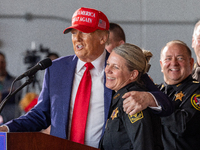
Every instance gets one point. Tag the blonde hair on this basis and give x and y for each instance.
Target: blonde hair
(135, 58)
(148, 56)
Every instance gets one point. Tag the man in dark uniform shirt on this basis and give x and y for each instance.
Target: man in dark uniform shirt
(181, 129)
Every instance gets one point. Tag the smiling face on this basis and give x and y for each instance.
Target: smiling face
(176, 64)
(88, 46)
(117, 73)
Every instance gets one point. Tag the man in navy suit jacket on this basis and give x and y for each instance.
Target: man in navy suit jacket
(55, 103)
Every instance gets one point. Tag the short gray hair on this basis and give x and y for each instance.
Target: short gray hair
(196, 26)
(177, 42)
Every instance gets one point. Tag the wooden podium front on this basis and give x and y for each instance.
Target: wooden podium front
(41, 141)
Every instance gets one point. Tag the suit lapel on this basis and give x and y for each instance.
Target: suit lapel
(107, 97)
(70, 71)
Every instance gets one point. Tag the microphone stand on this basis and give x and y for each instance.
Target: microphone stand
(28, 81)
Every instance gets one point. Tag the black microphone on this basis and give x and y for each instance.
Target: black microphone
(43, 64)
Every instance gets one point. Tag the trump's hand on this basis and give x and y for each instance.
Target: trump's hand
(136, 101)
(3, 128)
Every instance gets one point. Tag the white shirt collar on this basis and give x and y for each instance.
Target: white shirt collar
(99, 63)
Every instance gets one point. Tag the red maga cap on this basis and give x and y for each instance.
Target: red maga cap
(88, 20)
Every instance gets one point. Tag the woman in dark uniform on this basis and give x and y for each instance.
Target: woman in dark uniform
(140, 131)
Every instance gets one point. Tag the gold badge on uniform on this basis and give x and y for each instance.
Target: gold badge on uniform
(179, 96)
(195, 101)
(114, 113)
(136, 117)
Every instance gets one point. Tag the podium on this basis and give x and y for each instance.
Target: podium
(41, 141)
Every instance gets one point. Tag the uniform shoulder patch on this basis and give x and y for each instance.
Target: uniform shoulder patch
(136, 117)
(195, 101)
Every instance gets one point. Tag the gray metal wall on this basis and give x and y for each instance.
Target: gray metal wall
(149, 24)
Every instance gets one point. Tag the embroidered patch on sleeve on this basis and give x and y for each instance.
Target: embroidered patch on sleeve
(136, 117)
(195, 101)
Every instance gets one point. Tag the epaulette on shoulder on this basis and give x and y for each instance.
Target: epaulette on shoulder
(195, 81)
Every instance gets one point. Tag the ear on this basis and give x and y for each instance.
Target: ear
(192, 42)
(161, 65)
(121, 42)
(134, 75)
(104, 38)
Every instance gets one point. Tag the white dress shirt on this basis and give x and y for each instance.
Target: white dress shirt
(95, 118)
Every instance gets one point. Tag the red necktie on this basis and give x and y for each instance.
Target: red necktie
(81, 105)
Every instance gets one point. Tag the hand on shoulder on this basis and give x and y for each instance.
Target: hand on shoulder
(136, 101)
